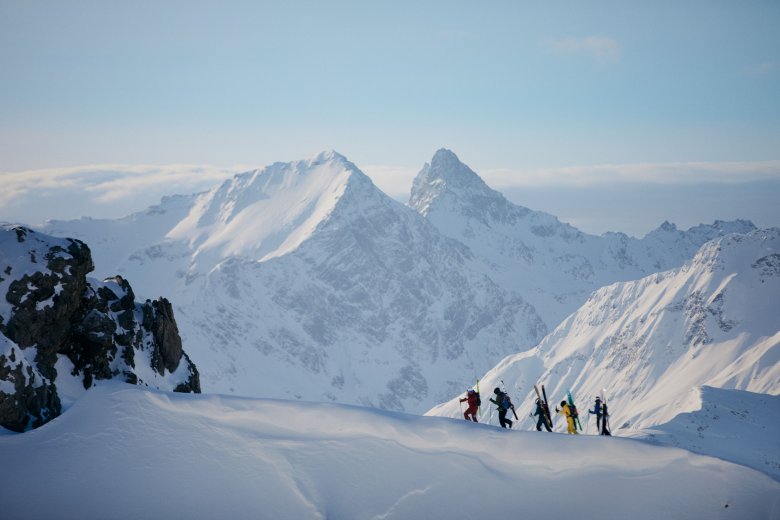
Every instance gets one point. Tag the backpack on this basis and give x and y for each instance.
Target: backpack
(479, 400)
(506, 402)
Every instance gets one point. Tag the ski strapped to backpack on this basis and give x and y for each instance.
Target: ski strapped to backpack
(479, 399)
(545, 408)
(573, 410)
(507, 402)
(546, 405)
(605, 430)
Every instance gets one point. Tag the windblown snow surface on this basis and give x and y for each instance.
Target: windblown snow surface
(126, 452)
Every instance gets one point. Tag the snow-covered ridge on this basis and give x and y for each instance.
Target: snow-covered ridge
(713, 321)
(733, 425)
(218, 456)
(552, 264)
(267, 213)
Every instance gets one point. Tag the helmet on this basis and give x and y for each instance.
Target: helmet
(496, 390)
(563, 403)
(598, 398)
(471, 390)
(537, 400)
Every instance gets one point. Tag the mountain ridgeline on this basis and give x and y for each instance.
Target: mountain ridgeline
(652, 343)
(303, 280)
(552, 264)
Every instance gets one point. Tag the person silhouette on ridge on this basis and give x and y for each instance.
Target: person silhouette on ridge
(500, 401)
(472, 396)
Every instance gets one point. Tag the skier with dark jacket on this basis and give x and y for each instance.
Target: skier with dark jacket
(472, 397)
(541, 421)
(604, 428)
(500, 401)
(597, 411)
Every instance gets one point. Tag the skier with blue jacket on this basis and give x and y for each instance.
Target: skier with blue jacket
(600, 411)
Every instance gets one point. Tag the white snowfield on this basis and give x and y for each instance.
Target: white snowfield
(122, 452)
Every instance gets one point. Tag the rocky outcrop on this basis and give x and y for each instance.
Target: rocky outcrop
(57, 324)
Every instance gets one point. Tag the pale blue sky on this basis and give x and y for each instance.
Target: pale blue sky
(505, 84)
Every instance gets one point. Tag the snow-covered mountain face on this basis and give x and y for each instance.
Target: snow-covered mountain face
(60, 330)
(648, 344)
(552, 264)
(303, 280)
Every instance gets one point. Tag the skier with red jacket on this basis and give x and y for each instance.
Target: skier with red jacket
(472, 397)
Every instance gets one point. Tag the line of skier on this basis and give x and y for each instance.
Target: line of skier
(542, 412)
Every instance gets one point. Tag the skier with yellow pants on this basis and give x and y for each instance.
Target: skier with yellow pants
(566, 412)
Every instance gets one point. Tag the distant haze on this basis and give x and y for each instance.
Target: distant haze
(633, 199)
(535, 97)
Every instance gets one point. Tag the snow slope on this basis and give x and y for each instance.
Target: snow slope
(732, 425)
(553, 265)
(303, 280)
(122, 452)
(715, 321)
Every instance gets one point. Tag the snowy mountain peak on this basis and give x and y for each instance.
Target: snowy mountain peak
(327, 156)
(448, 183)
(445, 159)
(668, 226)
(706, 231)
(233, 219)
(304, 280)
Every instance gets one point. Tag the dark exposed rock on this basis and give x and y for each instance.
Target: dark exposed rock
(158, 318)
(44, 303)
(34, 401)
(55, 309)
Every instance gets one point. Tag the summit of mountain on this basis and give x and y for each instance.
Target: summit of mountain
(551, 263)
(303, 280)
(269, 212)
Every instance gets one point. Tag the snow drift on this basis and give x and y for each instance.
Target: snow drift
(733, 425)
(122, 452)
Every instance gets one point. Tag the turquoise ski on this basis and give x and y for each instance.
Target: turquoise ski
(574, 412)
